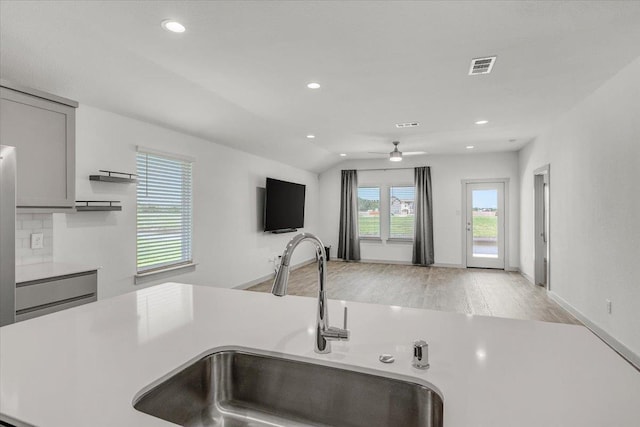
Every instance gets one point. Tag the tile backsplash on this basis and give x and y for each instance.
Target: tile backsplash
(26, 224)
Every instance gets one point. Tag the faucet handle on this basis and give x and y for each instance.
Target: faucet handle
(345, 318)
(337, 334)
(421, 354)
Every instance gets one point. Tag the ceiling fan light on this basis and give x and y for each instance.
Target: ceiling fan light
(395, 156)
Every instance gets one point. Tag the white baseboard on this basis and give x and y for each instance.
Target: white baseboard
(384, 261)
(438, 264)
(374, 261)
(273, 275)
(526, 276)
(616, 345)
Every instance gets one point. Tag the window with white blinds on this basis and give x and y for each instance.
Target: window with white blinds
(164, 215)
(401, 212)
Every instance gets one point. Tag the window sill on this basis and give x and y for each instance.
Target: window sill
(371, 239)
(146, 277)
(400, 240)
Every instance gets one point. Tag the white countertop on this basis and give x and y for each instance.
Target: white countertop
(45, 270)
(83, 366)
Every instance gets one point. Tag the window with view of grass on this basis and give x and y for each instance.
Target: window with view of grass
(401, 212)
(164, 212)
(369, 211)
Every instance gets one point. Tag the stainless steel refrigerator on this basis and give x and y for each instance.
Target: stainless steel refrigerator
(7, 235)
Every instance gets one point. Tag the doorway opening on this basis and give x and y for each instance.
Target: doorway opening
(542, 186)
(485, 223)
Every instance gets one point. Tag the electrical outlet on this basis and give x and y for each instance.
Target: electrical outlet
(37, 240)
(608, 306)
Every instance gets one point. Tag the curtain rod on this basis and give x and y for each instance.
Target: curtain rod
(384, 169)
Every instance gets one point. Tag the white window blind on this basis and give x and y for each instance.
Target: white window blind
(369, 211)
(164, 215)
(401, 212)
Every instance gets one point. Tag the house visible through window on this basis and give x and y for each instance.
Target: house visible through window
(401, 212)
(164, 214)
(369, 211)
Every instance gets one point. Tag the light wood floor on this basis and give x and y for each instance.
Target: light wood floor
(472, 291)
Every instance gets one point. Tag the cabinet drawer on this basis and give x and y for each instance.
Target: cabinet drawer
(37, 293)
(30, 314)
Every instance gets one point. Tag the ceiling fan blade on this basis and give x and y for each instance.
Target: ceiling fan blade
(413, 153)
(376, 152)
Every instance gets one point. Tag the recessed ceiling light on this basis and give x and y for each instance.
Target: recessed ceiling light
(482, 122)
(343, 155)
(470, 147)
(173, 26)
(313, 85)
(311, 136)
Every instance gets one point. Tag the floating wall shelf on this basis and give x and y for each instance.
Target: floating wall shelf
(109, 177)
(91, 206)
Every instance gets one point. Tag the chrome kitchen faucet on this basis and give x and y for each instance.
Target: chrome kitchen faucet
(324, 332)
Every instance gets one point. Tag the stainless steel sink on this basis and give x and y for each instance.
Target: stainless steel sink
(238, 388)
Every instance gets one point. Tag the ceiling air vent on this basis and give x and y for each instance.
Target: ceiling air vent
(407, 125)
(482, 65)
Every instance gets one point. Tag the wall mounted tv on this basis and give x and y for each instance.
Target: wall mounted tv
(284, 206)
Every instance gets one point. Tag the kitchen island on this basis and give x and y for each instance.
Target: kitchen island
(84, 366)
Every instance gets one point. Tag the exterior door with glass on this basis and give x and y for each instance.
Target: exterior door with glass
(485, 225)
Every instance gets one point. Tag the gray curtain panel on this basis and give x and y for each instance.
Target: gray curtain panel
(423, 230)
(349, 240)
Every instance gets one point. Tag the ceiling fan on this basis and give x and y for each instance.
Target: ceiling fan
(396, 155)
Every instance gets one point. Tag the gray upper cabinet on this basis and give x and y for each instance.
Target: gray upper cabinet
(42, 128)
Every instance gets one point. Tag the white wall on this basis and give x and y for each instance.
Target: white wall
(594, 153)
(228, 244)
(447, 173)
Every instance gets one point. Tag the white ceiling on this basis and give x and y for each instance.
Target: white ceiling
(238, 75)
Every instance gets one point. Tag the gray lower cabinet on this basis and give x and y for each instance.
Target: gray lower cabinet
(44, 296)
(43, 132)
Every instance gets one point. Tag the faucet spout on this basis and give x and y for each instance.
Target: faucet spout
(324, 332)
(281, 281)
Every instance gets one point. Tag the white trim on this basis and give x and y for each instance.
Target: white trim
(153, 151)
(541, 171)
(376, 261)
(526, 276)
(385, 261)
(401, 240)
(146, 277)
(446, 265)
(272, 275)
(616, 345)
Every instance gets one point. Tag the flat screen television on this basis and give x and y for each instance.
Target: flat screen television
(284, 206)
